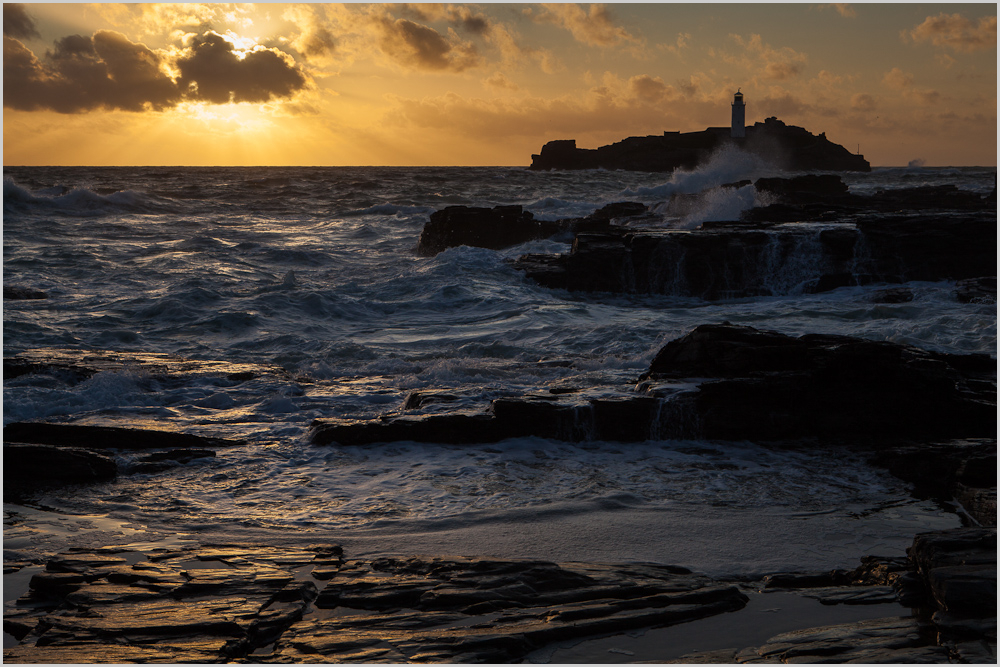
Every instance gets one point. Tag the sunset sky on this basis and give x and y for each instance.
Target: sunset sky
(443, 84)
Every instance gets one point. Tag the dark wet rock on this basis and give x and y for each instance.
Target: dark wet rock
(954, 621)
(893, 640)
(737, 260)
(15, 292)
(488, 610)
(893, 295)
(768, 386)
(160, 461)
(95, 607)
(896, 236)
(804, 204)
(561, 415)
(624, 209)
(725, 382)
(718, 263)
(852, 594)
(922, 246)
(977, 290)
(107, 437)
(787, 146)
(496, 228)
(881, 640)
(31, 464)
(960, 569)
(961, 469)
(504, 226)
(803, 187)
(260, 604)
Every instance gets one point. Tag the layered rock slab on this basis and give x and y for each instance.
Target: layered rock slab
(198, 605)
(766, 385)
(955, 619)
(735, 260)
(268, 604)
(732, 382)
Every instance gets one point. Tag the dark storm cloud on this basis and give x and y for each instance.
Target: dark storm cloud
(17, 23)
(422, 47)
(108, 71)
(458, 16)
(83, 73)
(215, 73)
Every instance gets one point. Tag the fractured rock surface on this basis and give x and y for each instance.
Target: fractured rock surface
(268, 604)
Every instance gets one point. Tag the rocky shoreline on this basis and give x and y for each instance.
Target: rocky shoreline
(814, 237)
(254, 603)
(928, 418)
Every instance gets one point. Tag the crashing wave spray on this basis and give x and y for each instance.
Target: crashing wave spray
(728, 164)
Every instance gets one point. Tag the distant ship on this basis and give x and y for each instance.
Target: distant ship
(785, 146)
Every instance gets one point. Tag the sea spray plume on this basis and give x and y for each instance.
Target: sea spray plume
(720, 204)
(728, 164)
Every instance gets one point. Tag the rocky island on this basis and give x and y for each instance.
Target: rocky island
(787, 146)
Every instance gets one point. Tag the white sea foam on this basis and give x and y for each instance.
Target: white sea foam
(728, 164)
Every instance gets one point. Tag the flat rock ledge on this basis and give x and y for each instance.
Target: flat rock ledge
(265, 604)
(38, 455)
(729, 382)
(949, 579)
(269, 604)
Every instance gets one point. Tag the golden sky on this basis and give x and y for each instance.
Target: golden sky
(443, 84)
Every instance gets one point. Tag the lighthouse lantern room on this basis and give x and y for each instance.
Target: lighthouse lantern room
(739, 115)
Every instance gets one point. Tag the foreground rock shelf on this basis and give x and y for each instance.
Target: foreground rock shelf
(252, 603)
(267, 604)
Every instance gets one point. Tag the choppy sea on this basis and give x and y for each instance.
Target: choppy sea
(314, 272)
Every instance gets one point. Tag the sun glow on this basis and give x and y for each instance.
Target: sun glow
(226, 119)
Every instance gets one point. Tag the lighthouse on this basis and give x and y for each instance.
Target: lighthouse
(739, 116)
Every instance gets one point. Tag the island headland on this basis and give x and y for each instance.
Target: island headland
(786, 146)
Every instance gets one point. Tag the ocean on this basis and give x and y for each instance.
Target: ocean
(313, 274)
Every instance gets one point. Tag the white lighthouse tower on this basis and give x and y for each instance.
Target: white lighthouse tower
(739, 115)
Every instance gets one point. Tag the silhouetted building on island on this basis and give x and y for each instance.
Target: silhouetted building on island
(739, 116)
(784, 146)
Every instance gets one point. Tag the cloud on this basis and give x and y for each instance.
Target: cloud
(420, 47)
(897, 79)
(770, 63)
(594, 27)
(844, 9)
(957, 32)
(682, 43)
(108, 71)
(83, 73)
(782, 104)
(863, 102)
(499, 80)
(459, 16)
(315, 40)
(17, 23)
(214, 71)
(648, 89)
